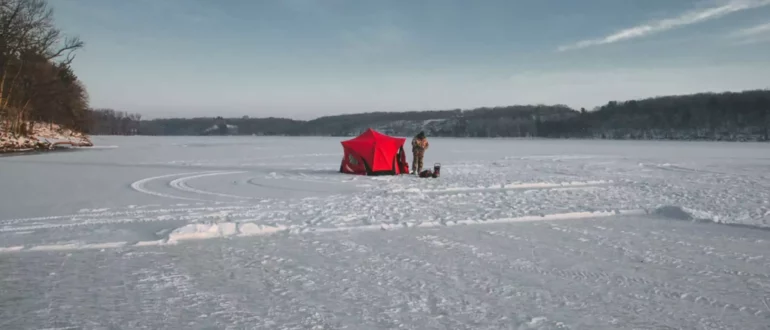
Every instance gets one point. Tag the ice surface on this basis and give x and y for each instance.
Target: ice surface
(262, 232)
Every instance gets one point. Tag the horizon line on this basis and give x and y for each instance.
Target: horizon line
(438, 110)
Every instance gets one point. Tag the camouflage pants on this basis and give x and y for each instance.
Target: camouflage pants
(417, 156)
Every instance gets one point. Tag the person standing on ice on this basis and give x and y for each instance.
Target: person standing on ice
(419, 145)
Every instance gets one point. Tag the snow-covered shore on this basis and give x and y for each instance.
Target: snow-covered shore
(43, 137)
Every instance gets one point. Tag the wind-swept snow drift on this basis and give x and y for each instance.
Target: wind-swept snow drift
(223, 229)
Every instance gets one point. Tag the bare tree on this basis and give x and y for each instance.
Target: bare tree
(34, 57)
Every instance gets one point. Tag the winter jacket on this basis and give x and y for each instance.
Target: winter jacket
(419, 144)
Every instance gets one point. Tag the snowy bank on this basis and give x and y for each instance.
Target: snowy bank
(42, 137)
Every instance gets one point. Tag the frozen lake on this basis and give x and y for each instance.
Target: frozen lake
(264, 233)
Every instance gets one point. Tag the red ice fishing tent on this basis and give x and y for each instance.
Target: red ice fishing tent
(374, 153)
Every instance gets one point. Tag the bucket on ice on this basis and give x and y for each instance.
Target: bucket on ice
(436, 169)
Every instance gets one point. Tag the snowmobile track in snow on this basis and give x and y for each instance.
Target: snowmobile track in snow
(181, 185)
(139, 185)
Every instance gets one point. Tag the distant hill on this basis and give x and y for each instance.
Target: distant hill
(742, 116)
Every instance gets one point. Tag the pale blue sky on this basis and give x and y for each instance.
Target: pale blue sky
(308, 58)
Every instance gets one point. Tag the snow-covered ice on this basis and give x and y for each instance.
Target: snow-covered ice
(263, 233)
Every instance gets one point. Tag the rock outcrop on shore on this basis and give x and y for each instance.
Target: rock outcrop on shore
(42, 137)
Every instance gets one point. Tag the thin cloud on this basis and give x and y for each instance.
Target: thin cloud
(687, 18)
(751, 35)
(752, 31)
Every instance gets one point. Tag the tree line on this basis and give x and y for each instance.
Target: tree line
(730, 116)
(111, 122)
(37, 83)
(735, 116)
